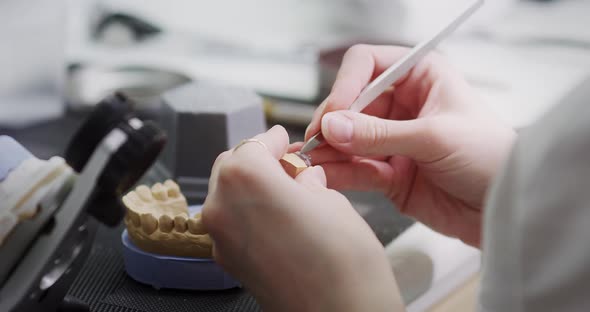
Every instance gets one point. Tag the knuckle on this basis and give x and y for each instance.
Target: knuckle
(221, 157)
(337, 197)
(357, 49)
(429, 128)
(279, 128)
(434, 58)
(217, 216)
(430, 133)
(329, 105)
(376, 133)
(228, 173)
(437, 62)
(333, 101)
(381, 132)
(282, 134)
(278, 133)
(234, 172)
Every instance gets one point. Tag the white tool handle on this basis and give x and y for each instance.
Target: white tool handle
(401, 67)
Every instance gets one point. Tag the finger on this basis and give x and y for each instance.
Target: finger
(313, 126)
(276, 141)
(294, 147)
(322, 154)
(314, 178)
(217, 257)
(222, 259)
(381, 107)
(362, 135)
(365, 175)
(326, 154)
(215, 170)
(360, 65)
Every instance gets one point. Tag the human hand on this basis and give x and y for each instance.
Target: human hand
(296, 245)
(426, 143)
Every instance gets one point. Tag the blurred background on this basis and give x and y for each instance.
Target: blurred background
(68, 54)
(59, 58)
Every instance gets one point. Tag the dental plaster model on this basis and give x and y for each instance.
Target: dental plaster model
(158, 222)
(158, 219)
(295, 163)
(24, 188)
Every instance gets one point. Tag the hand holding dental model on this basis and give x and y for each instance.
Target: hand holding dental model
(158, 219)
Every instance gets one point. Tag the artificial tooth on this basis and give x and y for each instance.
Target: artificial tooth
(173, 188)
(177, 206)
(166, 224)
(195, 225)
(180, 224)
(159, 191)
(132, 200)
(144, 193)
(134, 217)
(158, 216)
(149, 224)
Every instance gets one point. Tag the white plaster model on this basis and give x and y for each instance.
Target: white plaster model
(23, 190)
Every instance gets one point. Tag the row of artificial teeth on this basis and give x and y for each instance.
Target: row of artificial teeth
(159, 191)
(166, 223)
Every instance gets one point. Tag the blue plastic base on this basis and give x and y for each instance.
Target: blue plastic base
(162, 271)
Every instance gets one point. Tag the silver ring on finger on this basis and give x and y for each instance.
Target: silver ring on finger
(246, 141)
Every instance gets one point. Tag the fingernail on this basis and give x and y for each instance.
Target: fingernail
(339, 127)
(318, 114)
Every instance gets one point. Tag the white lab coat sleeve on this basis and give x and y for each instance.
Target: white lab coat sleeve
(536, 249)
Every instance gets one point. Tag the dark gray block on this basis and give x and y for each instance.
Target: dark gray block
(202, 120)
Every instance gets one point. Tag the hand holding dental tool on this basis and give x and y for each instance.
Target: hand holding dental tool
(399, 69)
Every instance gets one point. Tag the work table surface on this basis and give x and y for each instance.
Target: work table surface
(103, 283)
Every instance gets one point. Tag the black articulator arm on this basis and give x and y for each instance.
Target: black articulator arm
(110, 152)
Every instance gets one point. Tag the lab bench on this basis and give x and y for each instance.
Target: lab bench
(103, 283)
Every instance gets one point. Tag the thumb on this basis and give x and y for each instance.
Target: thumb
(363, 135)
(313, 178)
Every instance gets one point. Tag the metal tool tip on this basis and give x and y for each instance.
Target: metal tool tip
(312, 143)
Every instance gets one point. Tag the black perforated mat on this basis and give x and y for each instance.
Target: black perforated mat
(104, 286)
(103, 283)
